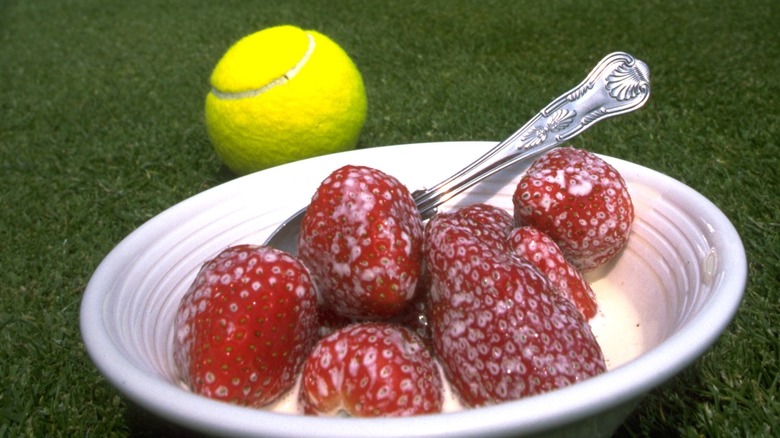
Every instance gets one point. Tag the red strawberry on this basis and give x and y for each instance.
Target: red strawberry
(362, 238)
(245, 326)
(371, 369)
(492, 224)
(580, 201)
(538, 249)
(500, 329)
(486, 222)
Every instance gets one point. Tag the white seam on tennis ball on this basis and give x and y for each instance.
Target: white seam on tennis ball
(276, 82)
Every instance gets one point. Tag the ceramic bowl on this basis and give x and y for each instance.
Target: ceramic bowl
(662, 302)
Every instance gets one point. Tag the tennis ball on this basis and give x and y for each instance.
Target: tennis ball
(283, 94)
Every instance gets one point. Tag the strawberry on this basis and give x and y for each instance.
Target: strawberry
(500, 329)
(245, 326)
(489, 223)
(361, 238)
(371, 369)
(492, 224)
(580, 201)
(540, 250)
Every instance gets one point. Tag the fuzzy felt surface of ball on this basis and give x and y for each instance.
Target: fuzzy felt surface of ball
(283, 94)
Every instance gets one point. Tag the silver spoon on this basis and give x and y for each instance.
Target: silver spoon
(618, 84)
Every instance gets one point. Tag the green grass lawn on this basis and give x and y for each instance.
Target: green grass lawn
(101, 128)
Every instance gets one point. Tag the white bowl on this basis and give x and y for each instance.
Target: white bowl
(663, 302)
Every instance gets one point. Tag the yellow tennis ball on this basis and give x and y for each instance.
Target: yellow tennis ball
(283, 94)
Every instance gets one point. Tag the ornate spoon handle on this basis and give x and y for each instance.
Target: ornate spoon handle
(618, 84)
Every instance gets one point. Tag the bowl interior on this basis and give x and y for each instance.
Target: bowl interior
(662, 302)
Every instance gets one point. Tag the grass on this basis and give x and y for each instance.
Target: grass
(101, 128)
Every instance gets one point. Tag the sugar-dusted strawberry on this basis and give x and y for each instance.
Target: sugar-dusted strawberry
(371, 369)
(361, 238)
(491, 224)
(245, 326)
(487, 222)
(500, 329)
(541, 251)
(580, 201)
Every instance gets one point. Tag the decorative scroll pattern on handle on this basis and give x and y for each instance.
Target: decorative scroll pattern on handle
(559, 121)
(628, 81)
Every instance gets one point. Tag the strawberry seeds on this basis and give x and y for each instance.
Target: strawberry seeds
(379, 306)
